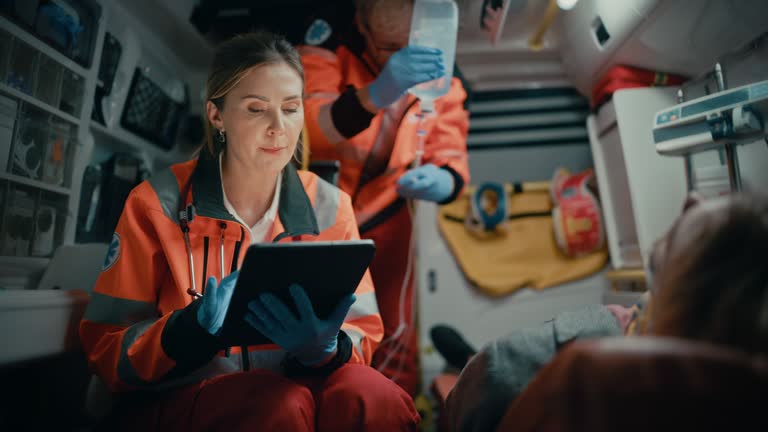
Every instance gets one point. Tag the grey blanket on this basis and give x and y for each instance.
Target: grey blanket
(502, 370)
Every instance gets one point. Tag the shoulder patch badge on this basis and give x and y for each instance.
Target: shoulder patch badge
(318, 32)
(113, 253)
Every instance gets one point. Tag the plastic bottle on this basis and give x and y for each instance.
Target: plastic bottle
(435, 24)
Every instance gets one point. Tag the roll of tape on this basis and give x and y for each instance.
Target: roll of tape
(489, 207)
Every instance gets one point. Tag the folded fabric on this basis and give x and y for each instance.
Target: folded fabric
(526, 255)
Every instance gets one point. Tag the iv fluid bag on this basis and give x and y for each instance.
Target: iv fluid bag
(434, 24)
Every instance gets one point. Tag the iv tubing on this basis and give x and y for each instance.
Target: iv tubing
(400, 337)
(421, 135)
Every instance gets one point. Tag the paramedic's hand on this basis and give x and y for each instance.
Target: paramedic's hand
(427, 182)
(410, 66)
(308, 338)
(215, 302)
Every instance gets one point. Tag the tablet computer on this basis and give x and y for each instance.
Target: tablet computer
(327, 270)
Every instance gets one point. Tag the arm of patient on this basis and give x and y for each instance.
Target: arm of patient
(502, 370)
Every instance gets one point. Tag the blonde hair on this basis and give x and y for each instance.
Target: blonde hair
(232, 61)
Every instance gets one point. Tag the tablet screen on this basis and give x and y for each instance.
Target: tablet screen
(327, 271)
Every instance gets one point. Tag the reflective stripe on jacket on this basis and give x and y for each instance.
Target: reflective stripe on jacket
(131, 329)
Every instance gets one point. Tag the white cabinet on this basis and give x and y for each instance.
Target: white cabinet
(39, 323)
(641, 192)
(677, 36)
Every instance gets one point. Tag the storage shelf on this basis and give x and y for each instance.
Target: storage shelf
(18, 272)
(121, 140)
(117, 139)
(33, 41)
(34, 183)
(38, 103)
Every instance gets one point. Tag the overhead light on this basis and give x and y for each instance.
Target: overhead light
(567, 4)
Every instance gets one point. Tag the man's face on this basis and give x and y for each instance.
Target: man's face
(386, 31)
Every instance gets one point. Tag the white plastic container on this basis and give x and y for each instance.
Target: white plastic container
(434, 24)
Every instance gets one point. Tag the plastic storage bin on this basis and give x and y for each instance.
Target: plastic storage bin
(58, 152)
(70, 26)
(49, 222)
(48, 82)
(72, 91)
(25, 11)
(18, 223)
(6, 44)
(29, 145)
(22, 67)
(8, 111)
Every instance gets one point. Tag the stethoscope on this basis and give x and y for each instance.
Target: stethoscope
(186, 215)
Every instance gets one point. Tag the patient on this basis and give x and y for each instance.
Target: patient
(711, 274)
(710, 283)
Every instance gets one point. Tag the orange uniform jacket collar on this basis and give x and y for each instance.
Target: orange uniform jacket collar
(294, 209)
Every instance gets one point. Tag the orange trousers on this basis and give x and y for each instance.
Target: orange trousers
(397, 356)
(353, 398)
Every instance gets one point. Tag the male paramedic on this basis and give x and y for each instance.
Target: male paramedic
(359, 112)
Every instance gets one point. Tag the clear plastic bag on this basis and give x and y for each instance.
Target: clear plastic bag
(435, 24)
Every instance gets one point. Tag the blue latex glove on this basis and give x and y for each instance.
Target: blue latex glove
(407, 67)
(427, 182)
(308, 338)
(215, 302)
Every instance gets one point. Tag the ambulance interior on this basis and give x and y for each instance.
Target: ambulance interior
(546, 92)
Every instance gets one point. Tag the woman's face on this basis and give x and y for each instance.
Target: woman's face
(262, 117)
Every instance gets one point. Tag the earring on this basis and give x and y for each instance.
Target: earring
(220, 136)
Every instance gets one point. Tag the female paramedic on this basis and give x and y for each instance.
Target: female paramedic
(358, 112)
(150, 330)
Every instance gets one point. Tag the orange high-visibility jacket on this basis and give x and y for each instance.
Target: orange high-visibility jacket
(138, 331)
(341, 129)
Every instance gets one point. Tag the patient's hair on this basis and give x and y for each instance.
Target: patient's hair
(717, 289)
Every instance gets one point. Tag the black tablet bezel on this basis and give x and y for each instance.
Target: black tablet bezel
(328, 270)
